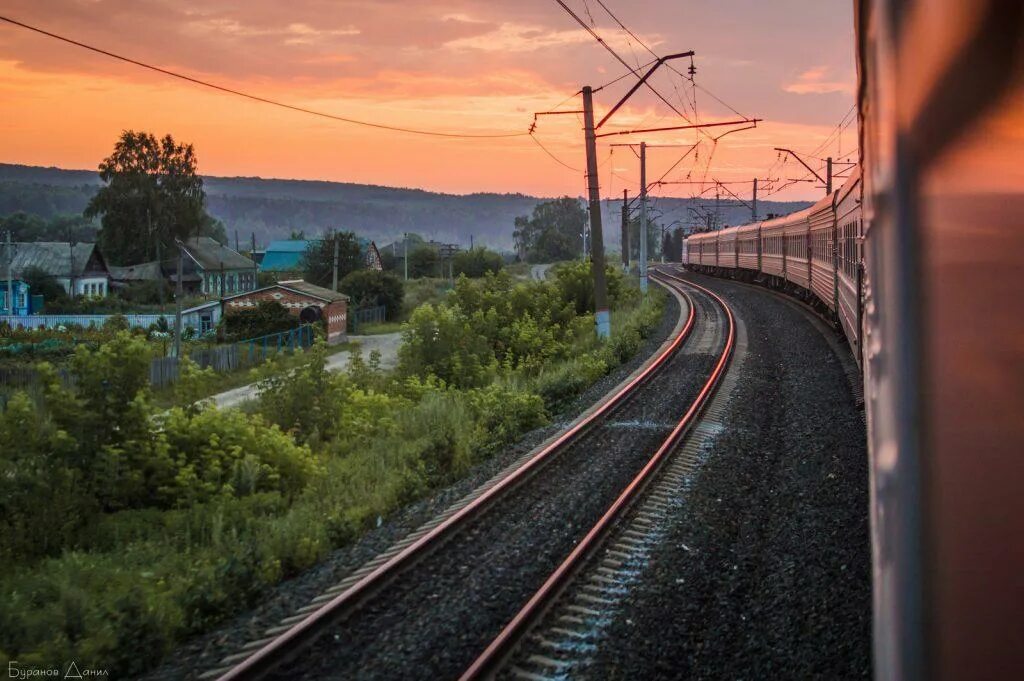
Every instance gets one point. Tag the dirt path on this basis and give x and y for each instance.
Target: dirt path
(386, 343)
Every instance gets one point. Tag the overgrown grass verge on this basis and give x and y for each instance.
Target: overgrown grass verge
(170, 529)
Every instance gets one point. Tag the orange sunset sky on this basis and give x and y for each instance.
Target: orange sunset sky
(447, 65)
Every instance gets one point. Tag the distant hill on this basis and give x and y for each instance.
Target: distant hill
(273, 208)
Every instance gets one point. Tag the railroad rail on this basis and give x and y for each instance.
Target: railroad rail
(501, 648)
(298, 632)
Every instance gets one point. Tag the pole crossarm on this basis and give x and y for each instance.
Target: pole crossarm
(533, 125)
(641, 82)
(733, 194)
(682, 127)
(794, 155)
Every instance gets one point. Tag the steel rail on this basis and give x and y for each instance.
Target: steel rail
(490, 661)
(285, 646)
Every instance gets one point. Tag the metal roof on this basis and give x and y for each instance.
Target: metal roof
(53, 257)
(147, 271)
(284, 256)
(211, 256)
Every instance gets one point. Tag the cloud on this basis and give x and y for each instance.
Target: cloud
(518, 37)
(814, 81)
(295, 33)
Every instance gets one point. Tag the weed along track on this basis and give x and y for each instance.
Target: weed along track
(430, 605)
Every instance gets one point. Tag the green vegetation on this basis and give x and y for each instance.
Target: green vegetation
(553, 232)
(152, 195)
(476, 262)
(370, 287)
(125, 528)
(318, 261)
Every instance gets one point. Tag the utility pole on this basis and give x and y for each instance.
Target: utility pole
(334, 278)
(256, 267)
(10, 275)
(179, 293)
(405, 243)
(828, 175)
(602, 318)
(643, 218)
(718, 195)
(625, 231)
(753, 205)
(237, 249)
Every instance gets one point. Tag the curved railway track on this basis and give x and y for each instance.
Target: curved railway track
(440, 572)
(492, 660)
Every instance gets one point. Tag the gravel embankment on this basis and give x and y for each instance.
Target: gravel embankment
(433, 621)
(204, 652)
(767, 574)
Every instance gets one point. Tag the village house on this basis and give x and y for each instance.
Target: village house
(283, 258)
(215, 270)
(78, 268)
(21, 299)
(307, 302)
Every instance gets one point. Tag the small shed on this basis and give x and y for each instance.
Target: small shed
(304, 300)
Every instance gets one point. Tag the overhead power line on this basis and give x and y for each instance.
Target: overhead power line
(257, 98)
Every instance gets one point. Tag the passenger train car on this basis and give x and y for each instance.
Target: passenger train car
(919, 260)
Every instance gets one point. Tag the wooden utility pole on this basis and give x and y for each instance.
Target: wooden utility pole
(179, 293)
(334, 277)
(602, 317)
(828, 175)
(625, 231)
(643, 218)
(405, 243)
(10, 276)
(256, 267)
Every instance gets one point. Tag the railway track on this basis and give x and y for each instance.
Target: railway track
(564, 617)
(457, 569)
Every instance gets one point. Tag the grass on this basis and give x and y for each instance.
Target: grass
(138, 582)
(166, 397)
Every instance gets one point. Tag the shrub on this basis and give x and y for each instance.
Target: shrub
(370, 287)
(267, 317)
(440, 341)
(476, 262)
(575, 281)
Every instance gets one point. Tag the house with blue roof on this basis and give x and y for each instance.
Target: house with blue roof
(284, 258)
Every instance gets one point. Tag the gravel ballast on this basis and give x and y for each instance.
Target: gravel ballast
(204, 652)
(766, 573)
(434, 620)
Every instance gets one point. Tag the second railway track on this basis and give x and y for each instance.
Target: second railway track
(429, 608)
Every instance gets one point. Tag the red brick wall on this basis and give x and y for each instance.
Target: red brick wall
(335, 313)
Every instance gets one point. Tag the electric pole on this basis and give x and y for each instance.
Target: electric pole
(10, 276)
(334, 277)
(179, 293)
(405, 243)
(827, 181)
(643, 218)
(602, 318)
(753, 205)
(828, 175)
(625, 231)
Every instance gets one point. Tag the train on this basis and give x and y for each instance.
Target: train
(814, 254)
(919, 259)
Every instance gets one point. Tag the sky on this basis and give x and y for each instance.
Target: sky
(464, 66)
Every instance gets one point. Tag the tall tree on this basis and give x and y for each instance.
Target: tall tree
(318, 261)
(553, 232)
(152, 194)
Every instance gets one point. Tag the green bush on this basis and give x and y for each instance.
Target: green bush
(370, 287)
(268, 317)
(476, 262)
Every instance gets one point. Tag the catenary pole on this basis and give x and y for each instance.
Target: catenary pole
(643, 217)
(625, 231)
(753, 204)
(602, 317)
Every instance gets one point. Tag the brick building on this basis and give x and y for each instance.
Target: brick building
(297, 297)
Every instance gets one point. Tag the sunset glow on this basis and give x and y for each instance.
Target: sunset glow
(455, 65)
